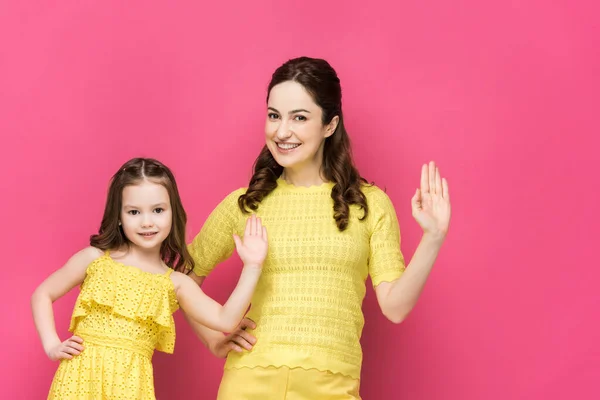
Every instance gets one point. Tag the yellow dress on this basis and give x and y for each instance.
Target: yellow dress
(122, 314)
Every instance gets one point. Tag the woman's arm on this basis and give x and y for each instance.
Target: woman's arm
(398, 298)
(431, 209)
(218, 343)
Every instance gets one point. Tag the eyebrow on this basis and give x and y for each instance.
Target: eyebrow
(153, 206)
(291, 112)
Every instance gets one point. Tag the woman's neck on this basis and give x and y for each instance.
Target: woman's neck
(303, 177)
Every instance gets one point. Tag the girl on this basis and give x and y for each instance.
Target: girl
(331, 230)
(131, 286)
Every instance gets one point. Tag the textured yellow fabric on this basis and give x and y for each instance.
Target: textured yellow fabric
(122, 314)
(285, 383)
(308, 302)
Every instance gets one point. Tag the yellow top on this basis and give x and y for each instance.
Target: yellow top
(308, 302)
(123, 303)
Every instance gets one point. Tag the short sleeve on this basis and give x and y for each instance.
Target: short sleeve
(386, 262)
(214, 244)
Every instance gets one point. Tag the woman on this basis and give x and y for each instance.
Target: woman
(329, 230)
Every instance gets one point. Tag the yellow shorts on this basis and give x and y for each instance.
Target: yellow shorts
(281, 383)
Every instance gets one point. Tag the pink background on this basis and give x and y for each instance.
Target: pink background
(501, 95)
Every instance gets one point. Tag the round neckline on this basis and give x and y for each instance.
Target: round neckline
(284, 184)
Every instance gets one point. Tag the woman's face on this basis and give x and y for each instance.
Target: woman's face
(294, 130)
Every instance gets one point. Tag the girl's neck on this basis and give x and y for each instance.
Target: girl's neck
(140, 255)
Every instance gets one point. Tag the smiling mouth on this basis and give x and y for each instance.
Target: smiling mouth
(288, 146)
(148, 234)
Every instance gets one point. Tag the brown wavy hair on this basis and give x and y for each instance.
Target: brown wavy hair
(320, 80)
(173, 250)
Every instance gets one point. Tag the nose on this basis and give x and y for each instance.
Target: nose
(147, 222)
(283, 131)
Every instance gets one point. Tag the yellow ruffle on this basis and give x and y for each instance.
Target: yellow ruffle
(131, 293)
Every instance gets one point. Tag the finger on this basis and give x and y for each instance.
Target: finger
(76, 339)
(264, 233)
(240, 341)
(431, 174)
(438, 182)
(446, 193)
(75, 346)
(235, 347)
(70, 350)
(246, 336)
(242, 344)
(258, 226)
(247, 323)
(247, 230)
(62, 356)
(253, 224)
(424, 179)
(416, 200)
(237, 241)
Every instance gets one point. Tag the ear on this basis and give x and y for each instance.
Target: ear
(331, 126)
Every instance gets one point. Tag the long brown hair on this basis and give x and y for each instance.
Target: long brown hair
(320, 80)
(173, 250)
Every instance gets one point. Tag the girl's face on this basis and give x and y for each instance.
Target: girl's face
(146, 214)
(294, 130)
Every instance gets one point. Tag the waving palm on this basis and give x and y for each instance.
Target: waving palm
(252, 249)
(431, 203)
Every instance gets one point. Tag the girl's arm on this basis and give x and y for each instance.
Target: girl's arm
(54, 287)
(206, 311)
(201, 308)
